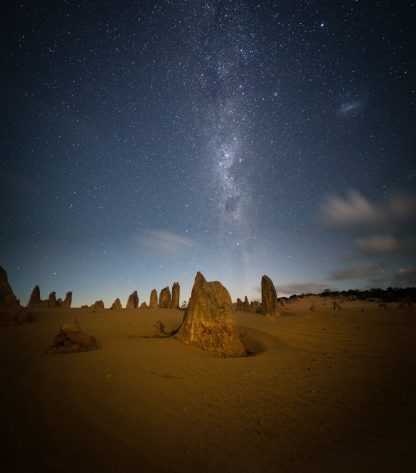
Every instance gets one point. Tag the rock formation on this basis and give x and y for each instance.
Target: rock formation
(34, 300)
(165, 298)
(133, 301)
(269, 302)
(8, 300)
(70, 338)
(143, 305)
(116, 305)
(52, 302)
(209, 321)
(239, 305)
(255, 306)
(10, 311)
(97, 305)
(66, 303)
(153, 299)
(175, 296)
(246, 304)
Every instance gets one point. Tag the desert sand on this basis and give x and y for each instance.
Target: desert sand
(324, 391)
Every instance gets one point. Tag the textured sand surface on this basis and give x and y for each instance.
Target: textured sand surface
(326, 392)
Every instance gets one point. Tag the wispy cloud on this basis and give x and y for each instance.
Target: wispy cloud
(363, 271)
(385, 244)
(377, 244)
(354, 211)
(163, 242)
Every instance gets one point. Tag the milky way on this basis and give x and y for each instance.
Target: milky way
(142, 142)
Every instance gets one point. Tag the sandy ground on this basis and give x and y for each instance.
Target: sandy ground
(325, 392)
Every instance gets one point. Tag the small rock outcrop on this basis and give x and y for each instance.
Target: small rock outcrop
(52, 302)
(71, 339)
(35, 300)
(246, 304)
(98, 305)
(143, 305)
(209, 321)
(66, 303)
(175, 296)
(7, 298)
(10, 311)
(116, 305)
(239, 304)
(255, 306)
(133, 301)
(165, 299)
(269, 301)
(153, 299)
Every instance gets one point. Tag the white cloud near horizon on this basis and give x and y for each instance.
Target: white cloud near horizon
(163, 242)
(355, 211)
(377, 244)
(385, 244)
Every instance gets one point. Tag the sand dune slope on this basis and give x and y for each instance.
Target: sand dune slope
(324, 393)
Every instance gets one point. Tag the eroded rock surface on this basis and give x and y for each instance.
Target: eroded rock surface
(71, 339)
(153, 299)
(269, 303)
(35, 300)
(175, 295)
(165, 299)
(209, 321)
(133, 301)
(11, 313)
(116, 305)
(66, 303)
(98, 305)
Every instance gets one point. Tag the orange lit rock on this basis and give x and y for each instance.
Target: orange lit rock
(209, 321)
(165, 298)
(71, 339)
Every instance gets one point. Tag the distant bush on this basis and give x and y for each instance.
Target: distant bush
(391, 294)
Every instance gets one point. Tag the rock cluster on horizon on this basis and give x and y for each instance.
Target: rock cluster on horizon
(247, 306)
(209, 321)
(269, 302)
(98, 305)
(71, 339)
(133, 301)
(153, 299)
(35, 301)
(165, 298)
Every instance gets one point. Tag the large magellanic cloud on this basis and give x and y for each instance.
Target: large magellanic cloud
(385, 244)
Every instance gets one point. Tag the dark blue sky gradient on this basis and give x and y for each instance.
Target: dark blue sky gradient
(142, 142)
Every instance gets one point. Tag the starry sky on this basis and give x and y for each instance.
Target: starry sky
(142, 142)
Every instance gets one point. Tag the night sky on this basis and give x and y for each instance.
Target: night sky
(142, 142)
